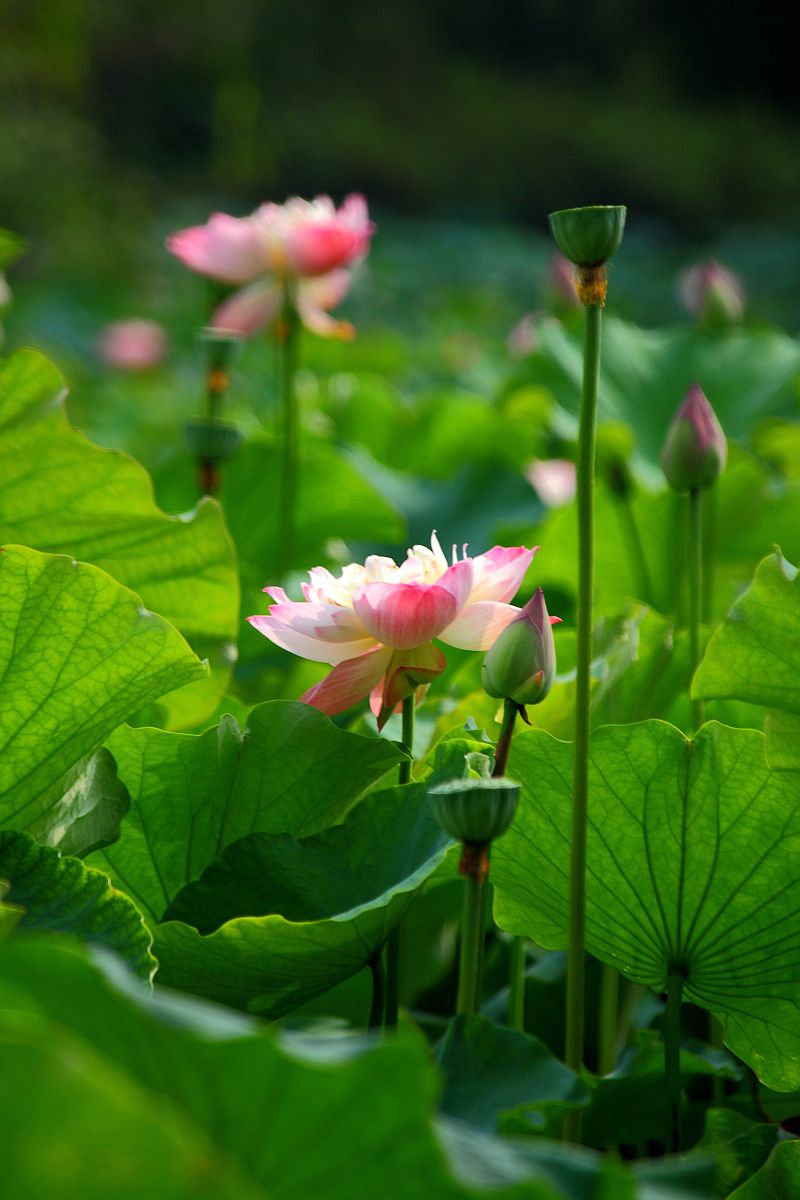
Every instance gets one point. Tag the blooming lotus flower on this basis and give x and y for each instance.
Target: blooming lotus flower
(133, 345)
(375, 623)
(306, 242)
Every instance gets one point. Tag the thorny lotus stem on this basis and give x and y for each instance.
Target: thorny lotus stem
(576, 992)
(475, 869)
(288, 332)
(378, 992)
(516, 992)
(608, 1020)
(393, 941)
(695, 590)
(672, 1056)
(636, 550)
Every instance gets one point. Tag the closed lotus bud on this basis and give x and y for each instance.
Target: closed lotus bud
(475, 811)
(712, 293)
(695, 449)
(589, 236)
(521, 665)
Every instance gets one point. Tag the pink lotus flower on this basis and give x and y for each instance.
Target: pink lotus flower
(134, 345)
(308, 242)
(375, 623)
(553, 479)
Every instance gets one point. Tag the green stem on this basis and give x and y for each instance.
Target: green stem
(393, 940)
(504, 738)
(609, 1023)
(516, 994)
(471, 938)
(287, 502)
(576, 997)
(672, 1056)
(378, 992)
(644, 584)
(695, 591)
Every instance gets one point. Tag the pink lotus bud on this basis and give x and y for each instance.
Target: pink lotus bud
(521, 665)
(712, 293)
(553, 479)
(695, 449)
(134, 345)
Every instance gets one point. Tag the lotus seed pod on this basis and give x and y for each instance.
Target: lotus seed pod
(475, 810)
(695, 450)
(521, 665)
(589, 236)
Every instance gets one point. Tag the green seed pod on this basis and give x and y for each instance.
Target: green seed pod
(212, 440)
(589, 236)
(695, 450)
(521, 665)
(475, 810)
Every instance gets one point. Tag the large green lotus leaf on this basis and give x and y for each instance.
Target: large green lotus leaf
(58, 893)
(291, 771)
(60, 493)
(778, 1179)
(78, 654)
(81, 1129)
(317, 911)
(489, 1069)
(143, 1077)
(739, 1146)
(747, 374)
(755, 656)
(745, 515)
(691, 856)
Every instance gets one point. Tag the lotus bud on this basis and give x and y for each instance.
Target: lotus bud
(476, 811)
(589, 237)
(695, 449)
(521, 665)
(712, 293)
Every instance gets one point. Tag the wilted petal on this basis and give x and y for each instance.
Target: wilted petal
(248, 310)
(404, 615)
(478, 625)
(407, 670)
(349, 682)
(499, 572)
(225, 248)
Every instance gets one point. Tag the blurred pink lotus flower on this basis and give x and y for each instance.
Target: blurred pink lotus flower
(553, 479)
(133, 345)
(563, 292)
(712, 293)
(375, 623)
(307, 241)
(523, 339)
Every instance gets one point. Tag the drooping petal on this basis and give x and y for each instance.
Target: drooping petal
(499, 572)
(314, 648)
(349, 682)
(248, 310)
(404, 615)
(330, 622)
(315, 297)
(408, 670)
(478, 625)
(225, 248)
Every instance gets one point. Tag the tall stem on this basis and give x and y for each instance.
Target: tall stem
(695, 590)
(393, 940)
(287, 504)
(608, 1033)
(672, 1056)
(471, 938)
(576, 994)
(378, 992)
(516, 993)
